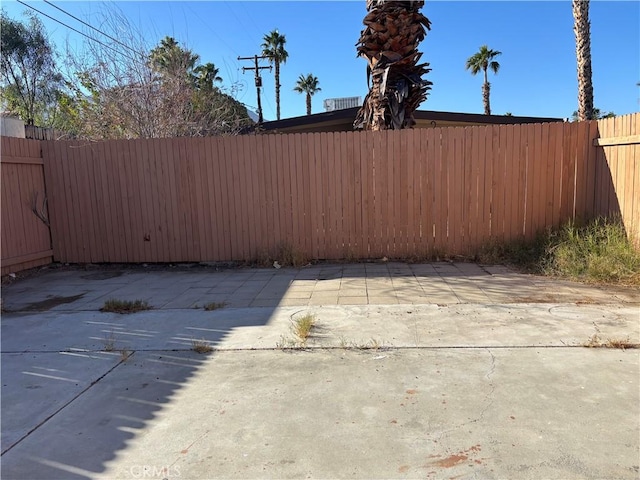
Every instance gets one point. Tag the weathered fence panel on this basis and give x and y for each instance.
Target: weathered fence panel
(26, 242)
(326, 195)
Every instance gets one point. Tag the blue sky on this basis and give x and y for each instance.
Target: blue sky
(538, 67)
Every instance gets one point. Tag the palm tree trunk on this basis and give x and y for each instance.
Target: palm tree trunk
(486, 89)
(308, 103)
(389, 43)
(581, 29)
(277, 89)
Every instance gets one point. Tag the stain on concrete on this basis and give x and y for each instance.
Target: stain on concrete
(101, 275)
(49, 303)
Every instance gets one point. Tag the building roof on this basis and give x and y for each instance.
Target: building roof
(342, 121)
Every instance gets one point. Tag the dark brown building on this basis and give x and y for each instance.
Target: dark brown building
(342, 121)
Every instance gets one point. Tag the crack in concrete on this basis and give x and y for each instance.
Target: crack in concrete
(488, 399)
(313, 347)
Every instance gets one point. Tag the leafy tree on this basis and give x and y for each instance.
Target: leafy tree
(30, 81)
(483, 60)
(582, 31)
(308, 85)
(140, 91)
(273, 48)
(597, 115)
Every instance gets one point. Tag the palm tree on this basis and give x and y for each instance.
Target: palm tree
(389, 43)
(169, 58)
(581, 29)
(207, 75)
(273, 49)
(308, 85)
(484, 60)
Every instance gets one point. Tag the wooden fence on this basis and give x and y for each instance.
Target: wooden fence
(617, 175)
(44, 133)
(26, 242)
(329, 195)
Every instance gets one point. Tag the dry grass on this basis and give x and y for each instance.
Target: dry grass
(214, 306)
(598, 252)
(285, 255)
(302, 327)
(201, 346)
(596, 341)
(109, 342)
(125, 306)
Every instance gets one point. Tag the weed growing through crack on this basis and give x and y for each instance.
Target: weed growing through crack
(287, 343)
(214, 306)
(109, 342)
(302, 327)
(125, 306)
(595, 341)
(124, 355)
(201, 346)
(371, 344)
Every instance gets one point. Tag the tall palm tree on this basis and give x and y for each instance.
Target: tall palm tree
(308, 85)
(484, 60)
(582, 31)
(389, 43)
(273, 49)
(207, 75)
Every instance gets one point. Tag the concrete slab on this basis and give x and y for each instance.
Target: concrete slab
(37, 385)
(473, 413)
(430, 387)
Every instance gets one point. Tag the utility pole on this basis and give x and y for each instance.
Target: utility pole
(257, 69)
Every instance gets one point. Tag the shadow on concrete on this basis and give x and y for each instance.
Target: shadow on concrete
(80, 386)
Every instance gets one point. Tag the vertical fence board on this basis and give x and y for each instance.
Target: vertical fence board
(412, 193)
(357, 250)
(547, 177)
(368, 161)
(510, 183)
(389, 224)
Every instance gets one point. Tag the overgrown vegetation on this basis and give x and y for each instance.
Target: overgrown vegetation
(284, 255)
(133, 91)
(598, 252)
(125, 306)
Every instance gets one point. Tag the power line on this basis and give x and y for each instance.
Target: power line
(92, 27)
(77, 31)
(212, 31)
(246, 29)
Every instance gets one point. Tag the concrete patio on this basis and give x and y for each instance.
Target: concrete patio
(442, 370)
